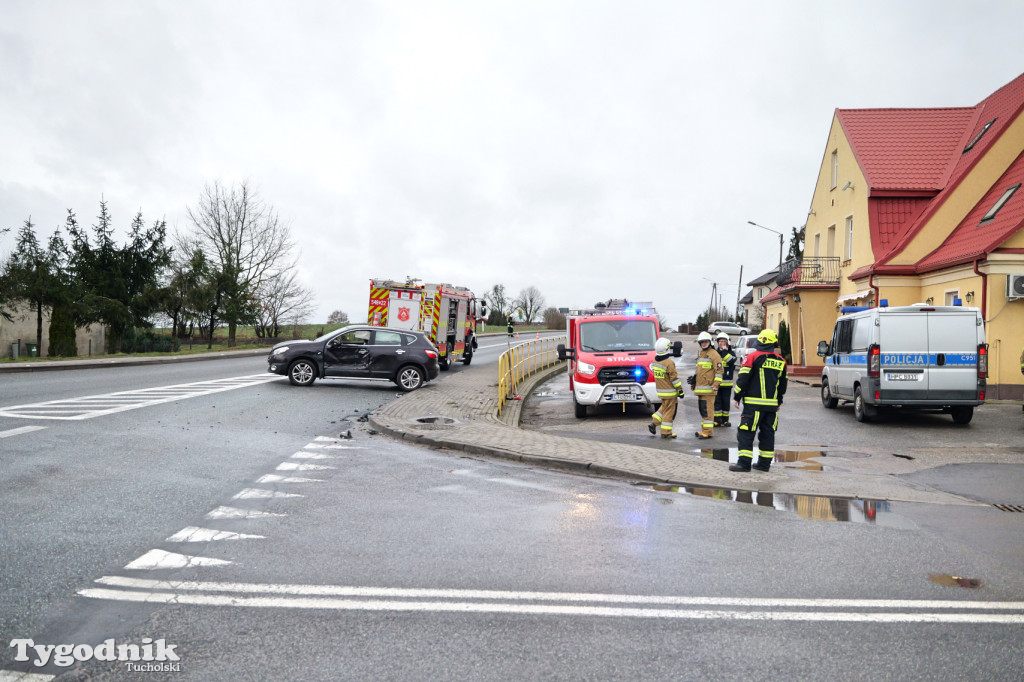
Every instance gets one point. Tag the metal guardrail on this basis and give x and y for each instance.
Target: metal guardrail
(523, 360)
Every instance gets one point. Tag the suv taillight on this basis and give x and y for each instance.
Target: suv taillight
(874, 360)
(431, 354)
(982, 361)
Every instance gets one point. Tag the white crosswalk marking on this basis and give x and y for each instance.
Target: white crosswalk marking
(20, 430)
(91, 406)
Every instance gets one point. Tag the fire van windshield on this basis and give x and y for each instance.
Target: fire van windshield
(618, 335)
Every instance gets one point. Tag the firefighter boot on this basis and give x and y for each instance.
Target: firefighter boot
(742, 464)
(763, 463)
(653, 429)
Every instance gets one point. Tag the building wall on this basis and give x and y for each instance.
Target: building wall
(817, 315)
(831, 206)
(1004, 333)
(23, 327)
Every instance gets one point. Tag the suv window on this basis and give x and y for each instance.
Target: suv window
(408, 339)
(359, 337)
(385, 338)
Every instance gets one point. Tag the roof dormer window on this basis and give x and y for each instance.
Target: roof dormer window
(978, 137)
(999, 204)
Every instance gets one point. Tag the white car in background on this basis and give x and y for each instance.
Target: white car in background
(730, 328)
(743, 346)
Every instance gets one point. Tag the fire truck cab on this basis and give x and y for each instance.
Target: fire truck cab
(610, 352)
(447, 314)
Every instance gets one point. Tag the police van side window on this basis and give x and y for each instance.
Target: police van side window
(861, 333)
(843, 336)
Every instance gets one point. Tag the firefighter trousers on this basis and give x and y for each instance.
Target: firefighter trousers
(665, 415)
(722, 404)
(706, 405)
(764, 423)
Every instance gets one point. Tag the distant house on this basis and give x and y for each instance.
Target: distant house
(20, 333)
(916, 206)
(751, 301)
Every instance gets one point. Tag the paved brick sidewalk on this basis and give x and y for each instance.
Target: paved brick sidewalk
(468, 401)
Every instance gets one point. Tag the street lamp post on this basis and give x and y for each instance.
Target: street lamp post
(781, 236)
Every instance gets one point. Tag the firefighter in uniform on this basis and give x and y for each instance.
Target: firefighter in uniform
(724, 395)
(760, 386)
(669, 387)
(511, 325)
(706, 383)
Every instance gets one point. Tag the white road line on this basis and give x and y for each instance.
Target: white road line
(312, 455)
(542, 609)
(196, 534)
(236, 513)
(326, 446)
(259, 494)
(18, 431)
(434, 593)
(274, 478)
(87, 407)
(294, 466)
(158, 558)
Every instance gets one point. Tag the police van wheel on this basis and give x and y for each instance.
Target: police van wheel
(962, 414)
(826, 395)
(580, 410)
(861, 410)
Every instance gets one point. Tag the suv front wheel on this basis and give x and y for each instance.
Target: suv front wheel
(302, 372)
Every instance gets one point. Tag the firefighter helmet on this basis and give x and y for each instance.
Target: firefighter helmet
(662, 345)
(704, 336)
(767, 336)
(722, 335)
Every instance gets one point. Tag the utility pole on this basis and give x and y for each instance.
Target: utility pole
(739, 288)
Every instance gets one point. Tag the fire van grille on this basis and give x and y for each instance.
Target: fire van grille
(637, 373)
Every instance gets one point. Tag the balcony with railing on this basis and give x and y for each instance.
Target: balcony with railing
(820, 271)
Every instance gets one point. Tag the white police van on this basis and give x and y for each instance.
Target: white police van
(915, 357)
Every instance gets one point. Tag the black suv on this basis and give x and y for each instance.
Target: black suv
(358, 352)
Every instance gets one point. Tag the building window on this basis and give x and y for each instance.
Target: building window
(771, 321)
(849, 237)
(977, 138)
(817, 244)
(951, 295)
(835, 168)
(830, 241)
(999, 204)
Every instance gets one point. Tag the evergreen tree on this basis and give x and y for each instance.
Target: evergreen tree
(32, 274)
(62, 333)
(118, 286)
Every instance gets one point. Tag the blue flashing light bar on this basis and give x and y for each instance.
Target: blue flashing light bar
(853, 308)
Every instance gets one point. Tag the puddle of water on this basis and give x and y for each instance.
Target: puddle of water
(798, 459)
(809, 507)
(954, 580)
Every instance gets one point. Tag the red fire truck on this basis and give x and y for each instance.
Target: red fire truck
(447, 314)
(610, 351)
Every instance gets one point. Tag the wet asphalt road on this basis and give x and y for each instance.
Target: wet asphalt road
(83, 499)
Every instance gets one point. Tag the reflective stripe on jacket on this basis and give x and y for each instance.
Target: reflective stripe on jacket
(665, 376)
(709, 371)
(762, 380)
(728, 366)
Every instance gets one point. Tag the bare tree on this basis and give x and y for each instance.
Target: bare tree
(282, 298)
(530, 301)
(247, 243)
(554, 319)
(337, 317)
(497, 301)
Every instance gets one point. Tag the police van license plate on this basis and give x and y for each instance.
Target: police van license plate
(902, 376)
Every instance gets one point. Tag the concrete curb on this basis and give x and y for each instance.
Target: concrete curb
(104, 363)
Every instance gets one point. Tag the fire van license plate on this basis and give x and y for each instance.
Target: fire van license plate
(902, 377)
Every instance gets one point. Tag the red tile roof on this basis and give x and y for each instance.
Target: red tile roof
(906, 149)
(914, 158)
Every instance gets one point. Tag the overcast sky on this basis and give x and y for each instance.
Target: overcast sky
(591, 149)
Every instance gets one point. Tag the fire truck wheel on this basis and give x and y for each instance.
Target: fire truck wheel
(467, 357)
(302, 373)
(410, 378)
(580, 410)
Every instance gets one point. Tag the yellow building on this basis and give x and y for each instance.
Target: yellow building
(916, 206)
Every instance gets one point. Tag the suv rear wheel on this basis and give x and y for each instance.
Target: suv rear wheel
(409, 378)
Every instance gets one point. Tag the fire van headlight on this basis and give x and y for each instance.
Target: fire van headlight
(585, 368)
